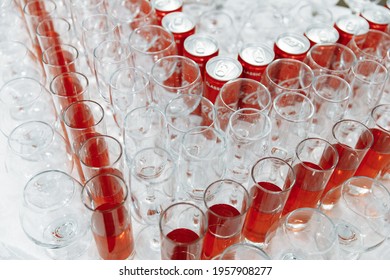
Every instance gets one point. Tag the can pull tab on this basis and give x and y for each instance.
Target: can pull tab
(259, 55)
(350, 27)
(200, 48)
(223, 69)
(293, 43)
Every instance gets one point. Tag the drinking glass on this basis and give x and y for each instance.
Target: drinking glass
(313, 165)
(330, 96)
(372, 45)
(129, 15)
(183, 113)
(367, 80)
(270, 184)
(352, 140)
(101, 154)
(18, 61)
(182, 228)
(173, 75)
(25, 99)
(201, 161)
(357, 6)
(82, 120)
(129, 89)
(106, 196)
(54, 31)
(286, 74)
(33, 147)
(291, 116)
(247, 139)
(227, 203)
(377, 158)
(152, 188)
(360, 209)
(96, 28)
(310, 13)
(149, 43)
(330, 58)
(243, 251)
(108, 57)
(53, 216)
(303, 234)
(240, 93)
(59, 59)
(144, 127)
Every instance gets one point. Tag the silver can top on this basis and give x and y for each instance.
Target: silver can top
(292, 43)
(223, 68)
(200, 45)
(377, 14)
(322, 34)
(177, 22)
(257, 54)
(166, 5)
(353, 24)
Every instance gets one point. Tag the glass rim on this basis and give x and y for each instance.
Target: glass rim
(294, 93)
(137, 71)
(229, 181)
(358, 123)
(104, 136)
(282, 161)
(156, 27)
(96, 104)
(52, 19)
(26, 51)
(54, 48)
(16, 80)
(256, 249)
(145, 108)
(378, 65)
(94, 30)
(373, 112)
(341, 80)
(75, 74)
(189, 204)
(123, 47)
(327, 143)
(26, 7)
(117, 205)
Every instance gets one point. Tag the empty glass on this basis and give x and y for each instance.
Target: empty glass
(53, 216)
(243, 251)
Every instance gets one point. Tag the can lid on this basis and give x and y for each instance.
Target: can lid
(200, 45)
(223, 68)
(322, 34)
(292, 43)
(352, 24)
(167, 5)
(377, 14)
(177, 22)
(257, 54)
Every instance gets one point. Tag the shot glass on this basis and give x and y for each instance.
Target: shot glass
(107, 198)
(183, 226)
(227, 203)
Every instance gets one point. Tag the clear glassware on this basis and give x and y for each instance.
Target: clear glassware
(360, 209)
(357, 6)
(303, 234)
(53, 216)
(54, 31)
(243, 251)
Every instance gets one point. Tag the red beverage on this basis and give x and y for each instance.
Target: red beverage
(291, 45)
(112, 231)
(164, 7)
(257, 222)
(219, 70)
(254, 58)
(182, 236)
(321, 34)
(309, 185)
(350, 25)
(200, 48)
(378, 17)
(181, 26)
(377, 157)
(223, 230)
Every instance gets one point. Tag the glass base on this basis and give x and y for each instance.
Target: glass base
(147, 244)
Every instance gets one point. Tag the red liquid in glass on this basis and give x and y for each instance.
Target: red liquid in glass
(377, 157)
(223, 230)
(112, 231)
(257, 222)
(183, 236)
(308, 187)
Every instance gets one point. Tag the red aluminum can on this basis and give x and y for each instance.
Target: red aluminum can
(254, 58)
(164, 7)
(181, 26)
(200, 48)
(291, 45)
(350, 25)
(219, 70)
(378, 17)
(321, 34)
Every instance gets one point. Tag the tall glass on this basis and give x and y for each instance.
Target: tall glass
(54, 31)
(107, 198)
(227, 203)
